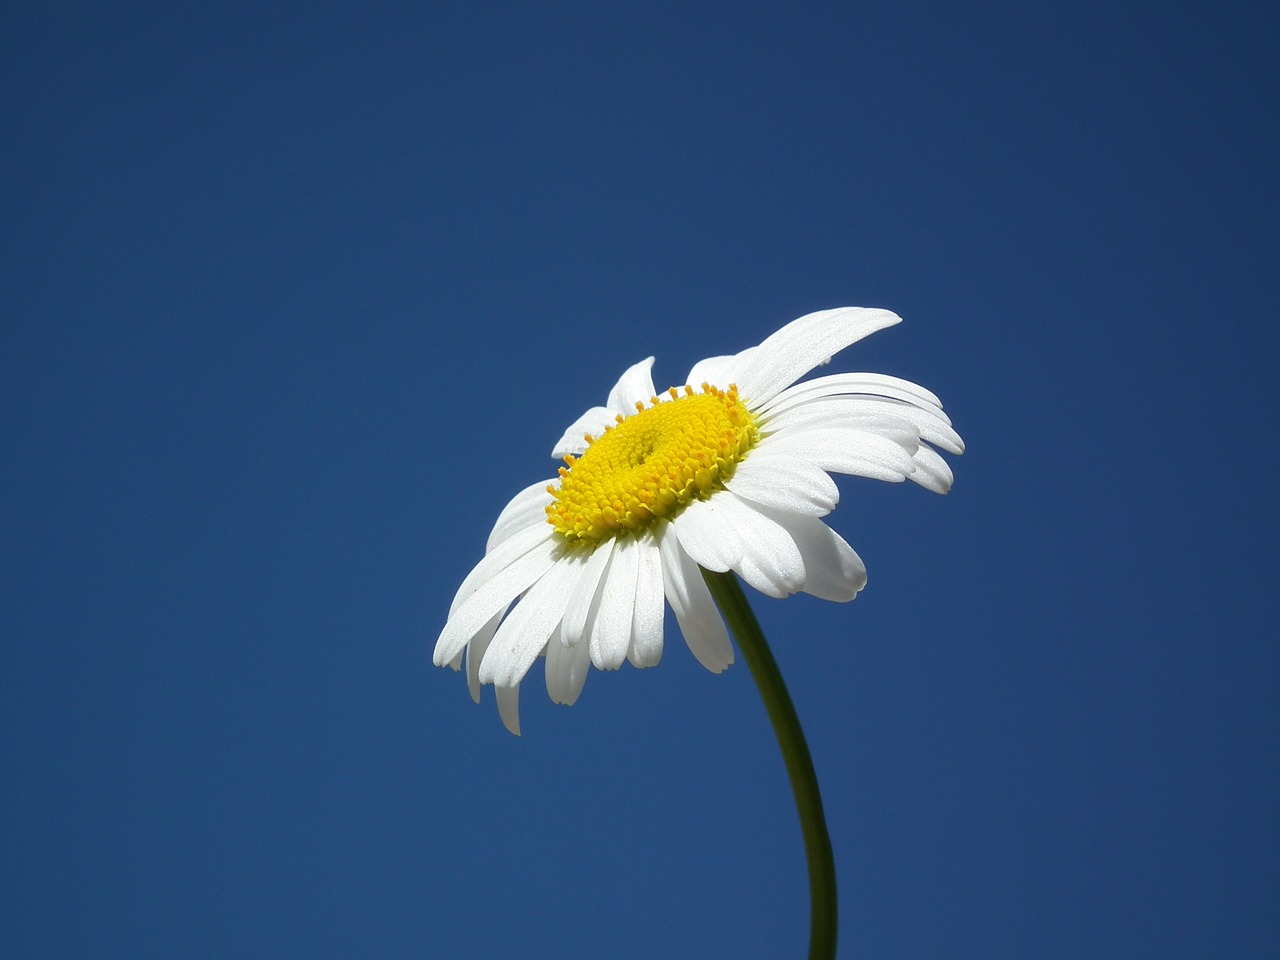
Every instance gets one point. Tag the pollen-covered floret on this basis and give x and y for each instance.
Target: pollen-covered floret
(652, 464)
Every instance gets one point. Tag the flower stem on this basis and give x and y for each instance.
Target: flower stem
(728, 595)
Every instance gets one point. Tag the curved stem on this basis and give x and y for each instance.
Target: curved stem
(727, 592)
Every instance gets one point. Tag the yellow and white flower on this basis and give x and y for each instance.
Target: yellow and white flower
(730, 472)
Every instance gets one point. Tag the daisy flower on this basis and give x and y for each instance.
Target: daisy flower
(730, 471)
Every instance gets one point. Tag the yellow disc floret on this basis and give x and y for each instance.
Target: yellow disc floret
(652, 464)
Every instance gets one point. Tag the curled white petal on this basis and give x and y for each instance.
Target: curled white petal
(523, 635)
(492, 596)
(577, 615)
(770, 562)
(834, 570)
(526, 509)
(719, 371)
(567, 669)
(646, 620)
(857, 452)
(708, 536)
(872, 413)
(476, 648)
(785, 483)
(695, 611)
(634, 386)
(611, 630)
(932, 472)
(869, 384)
(574, 439)
(501, 556)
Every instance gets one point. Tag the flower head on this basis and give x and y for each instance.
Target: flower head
(730, 471)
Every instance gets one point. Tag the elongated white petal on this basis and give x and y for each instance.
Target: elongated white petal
(854, 452)
(840, 412)
(574, 439)
(834, 570)
(880, 429)
(475, 652)
(634, 386)
(810, 341)
(491, 597)
(567, 669)
(869, 384)
(770, 561)
(611, 631)
(872, 413)
(708, 537)
(932, 472)
(523, 635)
(526, 509)
(646, 621)
(593, 612)
(500, 557)
(785, 483)
(581, 602)
(695, 611)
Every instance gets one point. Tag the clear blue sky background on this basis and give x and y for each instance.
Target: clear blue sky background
(296, 296)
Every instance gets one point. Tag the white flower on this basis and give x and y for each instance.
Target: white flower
(729, 473)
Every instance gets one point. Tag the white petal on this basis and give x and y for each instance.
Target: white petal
(807, 342)
(493, 595)
(634, 386)
(567, 669)
(501, 556)
(707, 537)
(895, 429)
(854, 452)
(646, 622)
(785, 483)
(611, 627)
(593, 613)
(837, 412)
(574, 438)
(771, 562)
(577, 614)
(869, 384)
(509, 707)
(875, 413)
(719, 371)
(526, 508)
(833, 570)
(932, 472)
(524, 633)
(696, 613)
(475, 652)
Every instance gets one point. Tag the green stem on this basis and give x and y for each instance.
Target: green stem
(728, 595)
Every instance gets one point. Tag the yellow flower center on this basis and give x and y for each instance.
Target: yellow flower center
(652, 464)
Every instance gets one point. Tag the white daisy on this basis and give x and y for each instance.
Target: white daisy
(731, 472)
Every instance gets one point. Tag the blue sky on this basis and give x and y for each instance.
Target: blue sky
(296, 297)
